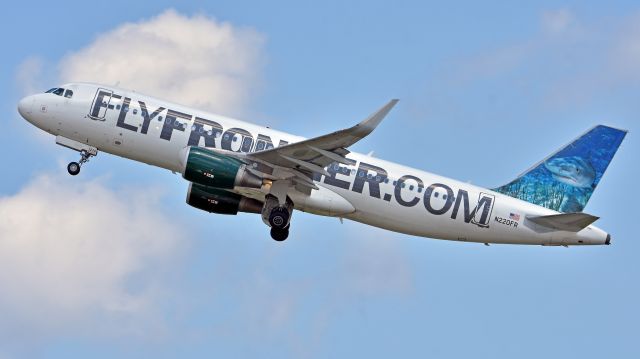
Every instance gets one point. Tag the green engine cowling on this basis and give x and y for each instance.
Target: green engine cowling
(219, 201)
(212, 169)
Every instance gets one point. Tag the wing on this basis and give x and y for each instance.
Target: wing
(298, 161)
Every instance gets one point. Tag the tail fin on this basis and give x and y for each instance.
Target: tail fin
(565, 180)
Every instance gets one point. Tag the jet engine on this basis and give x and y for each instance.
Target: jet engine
(219, 201)
(211, 169)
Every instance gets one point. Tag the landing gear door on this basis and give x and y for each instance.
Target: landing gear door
(100, 104)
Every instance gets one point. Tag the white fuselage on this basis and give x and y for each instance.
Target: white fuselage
(424, 205)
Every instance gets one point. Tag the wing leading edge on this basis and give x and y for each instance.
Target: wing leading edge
(298, 161)
(325, 149)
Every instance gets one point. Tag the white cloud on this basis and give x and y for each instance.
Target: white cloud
(72, 255)
(79, 257)
(195, 61)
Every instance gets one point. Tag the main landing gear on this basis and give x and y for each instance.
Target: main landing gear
(279, 222)
(74, 167)
(277, 216)
(280, 234)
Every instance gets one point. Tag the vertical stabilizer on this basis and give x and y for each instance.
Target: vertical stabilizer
(565, 180)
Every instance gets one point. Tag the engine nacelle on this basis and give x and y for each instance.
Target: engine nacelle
(211, 169)
(219, 201)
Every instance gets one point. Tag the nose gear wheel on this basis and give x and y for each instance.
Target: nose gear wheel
(74, 167)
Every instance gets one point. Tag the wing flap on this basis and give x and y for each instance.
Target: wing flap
(334, 156)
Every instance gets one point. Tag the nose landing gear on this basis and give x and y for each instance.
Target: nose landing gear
(86, 152)
(74, 167)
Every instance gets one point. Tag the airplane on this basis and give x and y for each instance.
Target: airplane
(234, 166)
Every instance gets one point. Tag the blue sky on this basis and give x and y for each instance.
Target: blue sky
(114, 263)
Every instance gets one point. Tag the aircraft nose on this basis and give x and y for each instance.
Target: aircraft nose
(25, 106)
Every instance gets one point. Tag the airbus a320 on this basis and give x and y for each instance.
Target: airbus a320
(234, 166)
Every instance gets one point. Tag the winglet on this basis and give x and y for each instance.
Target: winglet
(367, 126)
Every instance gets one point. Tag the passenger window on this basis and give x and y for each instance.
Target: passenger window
(117, 107)
(58, 91)
(68, 94)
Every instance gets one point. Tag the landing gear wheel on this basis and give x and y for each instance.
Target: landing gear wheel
(279, 234)
(279, 218)
(73, 168)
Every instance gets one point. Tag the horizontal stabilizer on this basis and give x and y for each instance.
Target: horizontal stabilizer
(572, 222)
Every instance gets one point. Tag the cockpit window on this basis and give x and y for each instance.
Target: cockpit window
(60, 91)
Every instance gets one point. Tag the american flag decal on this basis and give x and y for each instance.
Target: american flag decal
(514, 216)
